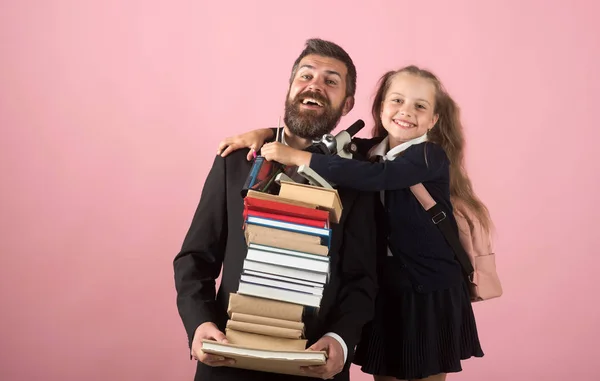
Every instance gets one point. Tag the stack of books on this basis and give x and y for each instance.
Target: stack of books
(286, 270)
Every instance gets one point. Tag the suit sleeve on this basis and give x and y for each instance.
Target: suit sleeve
(198, 264)
(416, 166)
(356, 300)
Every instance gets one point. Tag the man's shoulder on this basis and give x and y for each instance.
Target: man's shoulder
(230, 171)
(233, 159)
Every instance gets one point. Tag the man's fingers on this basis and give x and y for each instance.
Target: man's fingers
(221, 363)
(319, 371)
(214, 360)
(219, 336)
(207, 357)
(320, 345)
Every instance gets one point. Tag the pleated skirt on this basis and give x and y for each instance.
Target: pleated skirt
(416, 335)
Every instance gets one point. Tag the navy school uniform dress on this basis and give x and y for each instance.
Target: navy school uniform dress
(424, 322)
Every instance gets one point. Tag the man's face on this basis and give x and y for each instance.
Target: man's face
(316, 98)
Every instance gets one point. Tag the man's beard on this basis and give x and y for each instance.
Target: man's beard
(309, 124)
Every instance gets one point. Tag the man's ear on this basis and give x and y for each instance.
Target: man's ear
(348, 105)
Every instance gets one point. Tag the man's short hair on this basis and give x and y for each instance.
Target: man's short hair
(329, 49)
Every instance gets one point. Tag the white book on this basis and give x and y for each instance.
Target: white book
(290, 272)
(283, 278)
(282, 295)
(273, 249)
(323, 232)
(216, 347)
(266, 360)
(282, 284)
(287, 260)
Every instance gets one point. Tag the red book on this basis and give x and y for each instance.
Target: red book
(286, 218)
(270, 206)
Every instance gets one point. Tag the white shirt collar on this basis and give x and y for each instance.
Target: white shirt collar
(282, 137)
(380, 149)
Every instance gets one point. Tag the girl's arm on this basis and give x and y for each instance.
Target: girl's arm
(253, 139)
(402, 172)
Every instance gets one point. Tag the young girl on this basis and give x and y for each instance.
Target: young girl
(424, 323)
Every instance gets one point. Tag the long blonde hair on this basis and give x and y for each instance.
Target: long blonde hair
(448, 133)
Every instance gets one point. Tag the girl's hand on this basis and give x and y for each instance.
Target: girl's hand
(285, 155)
(253, 140)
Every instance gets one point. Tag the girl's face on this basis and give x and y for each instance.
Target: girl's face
(407, 109)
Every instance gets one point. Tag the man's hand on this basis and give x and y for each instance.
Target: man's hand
(209, 331)
(285, 155)
(335, 358)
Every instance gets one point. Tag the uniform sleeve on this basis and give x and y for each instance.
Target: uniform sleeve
(358, 288)
(198, 264)
(418, 164)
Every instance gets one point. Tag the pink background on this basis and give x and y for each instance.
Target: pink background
(111, 112)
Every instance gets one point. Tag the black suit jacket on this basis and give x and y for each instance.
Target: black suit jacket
(215, 240)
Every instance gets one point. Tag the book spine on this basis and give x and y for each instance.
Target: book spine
(264, 307)
(264, 329)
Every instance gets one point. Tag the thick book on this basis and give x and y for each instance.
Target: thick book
(282, 283)
(267, 330)
(286, 218)
(283, 250)
(276, 276)
(298, 260)
(272, 361)
(274, 197)
(272, 206)
(279, 294)
(275, 241)
(323, 233)
(290, 272)
(256, 341)
(264, 307)
(325, 198)
(236, 316)
(251, 231)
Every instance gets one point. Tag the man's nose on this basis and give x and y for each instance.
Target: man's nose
(316, 85)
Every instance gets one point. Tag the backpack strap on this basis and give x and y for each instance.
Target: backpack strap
(438, 217)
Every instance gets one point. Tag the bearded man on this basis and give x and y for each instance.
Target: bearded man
(321, 91)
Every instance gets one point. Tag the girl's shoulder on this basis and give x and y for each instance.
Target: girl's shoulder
(431, 151)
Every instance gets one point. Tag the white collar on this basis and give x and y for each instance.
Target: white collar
(282, 137)
(380, 149)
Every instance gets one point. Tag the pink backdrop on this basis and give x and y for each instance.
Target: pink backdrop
(111, 112)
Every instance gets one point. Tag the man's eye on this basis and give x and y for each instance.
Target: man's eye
(331, 82)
